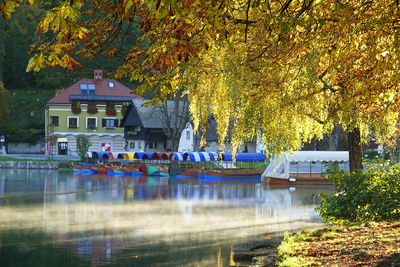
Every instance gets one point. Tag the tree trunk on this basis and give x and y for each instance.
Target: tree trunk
(175, 143)
(355, 150)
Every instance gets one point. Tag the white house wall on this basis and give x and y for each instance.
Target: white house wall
(186, 144)
(117, 143)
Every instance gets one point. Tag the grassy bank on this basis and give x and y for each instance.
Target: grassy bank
(372, 244)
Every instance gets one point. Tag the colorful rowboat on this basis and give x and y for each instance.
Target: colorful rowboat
(76, 168)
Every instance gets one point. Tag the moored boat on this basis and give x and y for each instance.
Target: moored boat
(237, 174)
(100, 169)
(119, 171)
(182, 173)
(87, 169)
(191, 173)
(279, 172)
(76, 168)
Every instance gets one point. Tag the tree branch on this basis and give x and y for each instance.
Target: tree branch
(247, 19)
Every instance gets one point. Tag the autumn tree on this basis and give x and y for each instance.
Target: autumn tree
(293, 69)
(175, 117)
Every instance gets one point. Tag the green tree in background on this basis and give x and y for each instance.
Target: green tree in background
(2, 50)
(4, 111)
(28, 92)
(83, 143)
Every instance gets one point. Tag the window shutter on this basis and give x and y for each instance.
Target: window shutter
(116, 122)
(103, 123)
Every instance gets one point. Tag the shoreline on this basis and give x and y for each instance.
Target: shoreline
(29, 164)
(370, 244)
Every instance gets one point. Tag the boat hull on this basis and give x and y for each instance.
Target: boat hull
(187, 174)
(230, 174)
(298, 180)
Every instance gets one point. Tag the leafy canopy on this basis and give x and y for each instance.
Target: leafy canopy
(291, 69)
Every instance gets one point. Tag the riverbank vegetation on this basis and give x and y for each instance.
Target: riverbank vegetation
(363, 196)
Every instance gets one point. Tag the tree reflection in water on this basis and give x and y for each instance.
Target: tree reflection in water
(69, 219)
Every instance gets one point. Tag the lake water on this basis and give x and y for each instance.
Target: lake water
(50, 218)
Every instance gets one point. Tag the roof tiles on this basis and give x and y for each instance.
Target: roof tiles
(102, 89)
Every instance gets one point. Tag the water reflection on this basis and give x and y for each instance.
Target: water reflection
(145, 221)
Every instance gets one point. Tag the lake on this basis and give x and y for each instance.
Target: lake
(51, 218)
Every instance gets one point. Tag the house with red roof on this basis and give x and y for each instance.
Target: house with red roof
(92, 107)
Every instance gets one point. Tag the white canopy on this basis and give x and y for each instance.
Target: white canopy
(279, 166)
(331, 156)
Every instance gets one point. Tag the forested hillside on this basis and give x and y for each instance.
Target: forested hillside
(29, 91)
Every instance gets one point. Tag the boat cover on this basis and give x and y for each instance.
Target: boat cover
(245, 157)
(144, 155)
(226, 156)
(176, 156)
(193, 156)
(331, 156)
(116, 155)
(161, 155)
(279, 166)
(129, 156)
(103, 155)
(208, 156)
(100, 155)
(250, 157)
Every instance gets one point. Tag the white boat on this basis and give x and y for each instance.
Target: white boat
(303, 167)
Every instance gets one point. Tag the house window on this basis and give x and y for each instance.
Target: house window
(54, 120)
(109, 123)
(153, 145)
(111, 84)
(187, 135)
(84, 88)
(88, 89)
(91, 123)
(139, 145)
(72, 122)
(132, 145)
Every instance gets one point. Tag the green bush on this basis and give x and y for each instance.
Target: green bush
(371, 195)
(64, 164)
(371, 154)
(83, 143)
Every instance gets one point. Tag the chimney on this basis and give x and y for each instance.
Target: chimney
(98, 74)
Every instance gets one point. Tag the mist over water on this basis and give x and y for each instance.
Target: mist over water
(50, 218)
